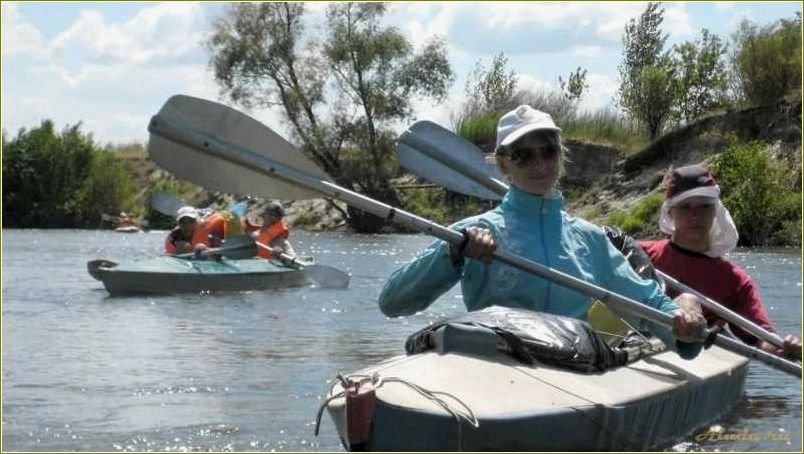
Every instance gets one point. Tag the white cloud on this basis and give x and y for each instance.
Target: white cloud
(599, 94)
(162, 31)
(722, 6)
(18, 36)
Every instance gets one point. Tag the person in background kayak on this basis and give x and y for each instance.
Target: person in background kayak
(188, 235)
(221, 225)
(274, 233)
(701, 232)
(530, 222)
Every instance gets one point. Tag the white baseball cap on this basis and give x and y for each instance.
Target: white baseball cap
(187, 212)
(520, 121)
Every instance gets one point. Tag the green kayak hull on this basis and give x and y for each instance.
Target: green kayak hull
(169, 275)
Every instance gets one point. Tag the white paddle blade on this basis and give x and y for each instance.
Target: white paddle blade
(327, 276)
(444, 158)
(166, 203)
(227, 125)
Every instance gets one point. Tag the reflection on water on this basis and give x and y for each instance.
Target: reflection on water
(247, 371)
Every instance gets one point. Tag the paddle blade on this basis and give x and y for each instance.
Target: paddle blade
(222, 123)
(166, 203)
(436, 154)
(327, 276)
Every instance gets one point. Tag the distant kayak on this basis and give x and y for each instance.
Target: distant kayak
(169, 275)
(128, 229)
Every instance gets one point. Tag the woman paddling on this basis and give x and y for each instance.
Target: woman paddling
(701, 233)
(531, 223)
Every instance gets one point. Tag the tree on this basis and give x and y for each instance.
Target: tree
(574, 86)
(766, 61)
(258, 60)
(490, 90)
(646, 67)
(701, 76)
(50, 179)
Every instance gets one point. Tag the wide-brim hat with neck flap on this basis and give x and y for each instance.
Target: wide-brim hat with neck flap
(695, 181)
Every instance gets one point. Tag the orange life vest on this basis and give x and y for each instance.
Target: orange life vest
(199, 236)
(221, 225)
(268, 235)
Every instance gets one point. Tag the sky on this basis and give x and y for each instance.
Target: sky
(112, 65)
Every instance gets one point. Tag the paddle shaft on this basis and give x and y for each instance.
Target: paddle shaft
(241, 156)
(451, 159)
(281, 254)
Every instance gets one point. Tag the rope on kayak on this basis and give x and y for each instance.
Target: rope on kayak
(626, 439)
(465, 414)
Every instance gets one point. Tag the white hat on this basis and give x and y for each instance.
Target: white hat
(520, 121)
(187, 212)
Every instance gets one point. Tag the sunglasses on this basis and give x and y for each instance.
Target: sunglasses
(523, 157)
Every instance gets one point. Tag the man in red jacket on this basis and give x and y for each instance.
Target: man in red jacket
(701, 232)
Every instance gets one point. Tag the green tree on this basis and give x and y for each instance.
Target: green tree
(701, 76)
(574, 86)
(259, 60)
(53, 179)
(766, 61)
(108, 188)
(490, 90)
(646, 71)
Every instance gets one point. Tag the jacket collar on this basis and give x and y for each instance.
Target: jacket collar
(517, 200)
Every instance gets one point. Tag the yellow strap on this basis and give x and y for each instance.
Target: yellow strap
(609, 326)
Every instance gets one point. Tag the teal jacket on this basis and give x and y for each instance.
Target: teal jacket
(536, 228)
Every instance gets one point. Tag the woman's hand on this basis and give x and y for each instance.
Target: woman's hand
(479, 244)
(689, 324)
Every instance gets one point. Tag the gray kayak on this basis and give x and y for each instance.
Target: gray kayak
(168, 275)
(455, 401)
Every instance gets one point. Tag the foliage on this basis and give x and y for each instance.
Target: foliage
(479, 128)
(490, 89)
(605, 125)
(645, 212)
(107, 188)
(646, 73)
(766, 61)
(53, 179)
(574, 86)
(761, 194)
(259, 60)
(701, 76)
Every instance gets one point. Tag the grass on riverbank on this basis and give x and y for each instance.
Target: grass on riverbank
(604, 126)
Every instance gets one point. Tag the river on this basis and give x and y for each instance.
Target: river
(82, 371)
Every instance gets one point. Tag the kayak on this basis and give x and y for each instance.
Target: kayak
(128, 229)
(467, 395)
(168, 275)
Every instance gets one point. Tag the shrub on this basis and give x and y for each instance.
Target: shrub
(757, 191)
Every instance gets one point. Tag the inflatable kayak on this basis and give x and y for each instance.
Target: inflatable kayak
(464, 387)
(167, 275)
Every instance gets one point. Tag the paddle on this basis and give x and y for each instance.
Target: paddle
(235, 248)
(166, 203)
(324, 276)
(190, 137)
(449, 160)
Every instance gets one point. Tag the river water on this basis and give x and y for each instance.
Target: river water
(82, 371)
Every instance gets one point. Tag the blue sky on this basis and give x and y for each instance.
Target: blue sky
(111, 65)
